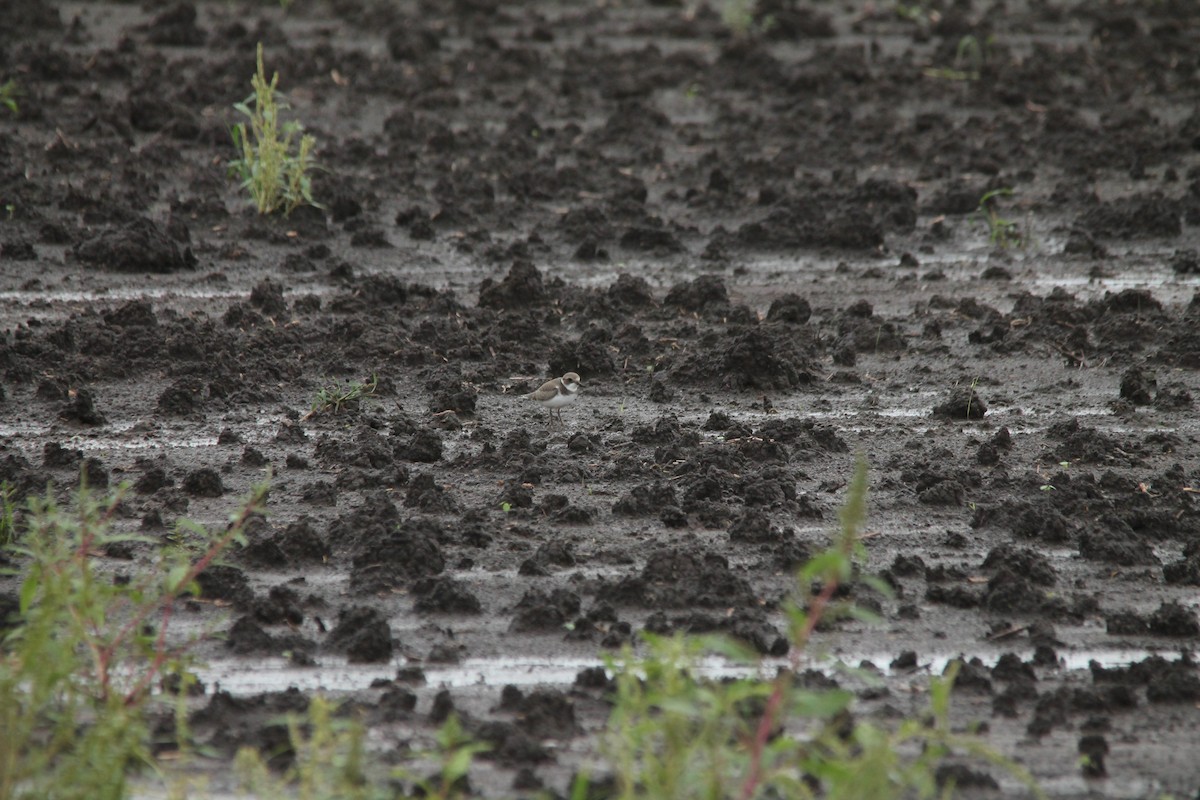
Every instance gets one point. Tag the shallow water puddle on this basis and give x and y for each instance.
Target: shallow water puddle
(127, 436)
(1156, 279)
(240, 676)
(119, 293)
(19, 432)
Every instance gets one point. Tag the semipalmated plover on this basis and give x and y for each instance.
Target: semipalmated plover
(557, 393)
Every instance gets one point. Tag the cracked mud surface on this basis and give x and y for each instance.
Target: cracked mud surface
(762, 254)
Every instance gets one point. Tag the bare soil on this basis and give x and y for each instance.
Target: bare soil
(763, 253)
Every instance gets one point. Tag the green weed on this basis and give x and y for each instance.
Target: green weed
(1002, 232)
(337, 396)
(8, 509)
(9, 92)
(330, 762)
(919, 12)
(275, 174)
(969, 60)
(739, 16)
(454, 753)
(78, 668)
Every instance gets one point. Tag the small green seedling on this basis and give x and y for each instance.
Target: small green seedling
(971, 52)
(912, 12)
(1002, 232)
(274, 168)
(969, 61)
(9, 92)
(336, 396)
(739, 18)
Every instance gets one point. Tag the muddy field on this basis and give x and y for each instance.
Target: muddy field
(763, 250)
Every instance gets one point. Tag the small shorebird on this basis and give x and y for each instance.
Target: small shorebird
(557, 393)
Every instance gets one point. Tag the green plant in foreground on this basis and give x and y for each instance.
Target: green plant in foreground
(330, 762)
(336, 396)
(76, 678)
(1002, 232)
(275, 175)
(454, 753)
(675, 735)
(78, 669)
(329, 759)
(8, 514)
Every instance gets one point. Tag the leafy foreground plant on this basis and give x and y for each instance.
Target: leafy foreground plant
(330, 762)
(8, 515)
(78, 669)
(674, 735)
(76, 678)
(275, 175)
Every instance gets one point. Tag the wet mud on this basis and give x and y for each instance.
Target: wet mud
(960, 242)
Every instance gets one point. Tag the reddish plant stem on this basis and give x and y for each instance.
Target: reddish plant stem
(160, 656)
(201, 564)
(103, 655)
(767, 722)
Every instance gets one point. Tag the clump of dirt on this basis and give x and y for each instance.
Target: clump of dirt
(139, 246)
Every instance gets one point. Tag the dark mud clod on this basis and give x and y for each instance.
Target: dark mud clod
(961, 404)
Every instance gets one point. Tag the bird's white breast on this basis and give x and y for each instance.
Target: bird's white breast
(559, 400)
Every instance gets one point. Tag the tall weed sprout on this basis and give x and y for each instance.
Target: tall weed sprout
(273, 167)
